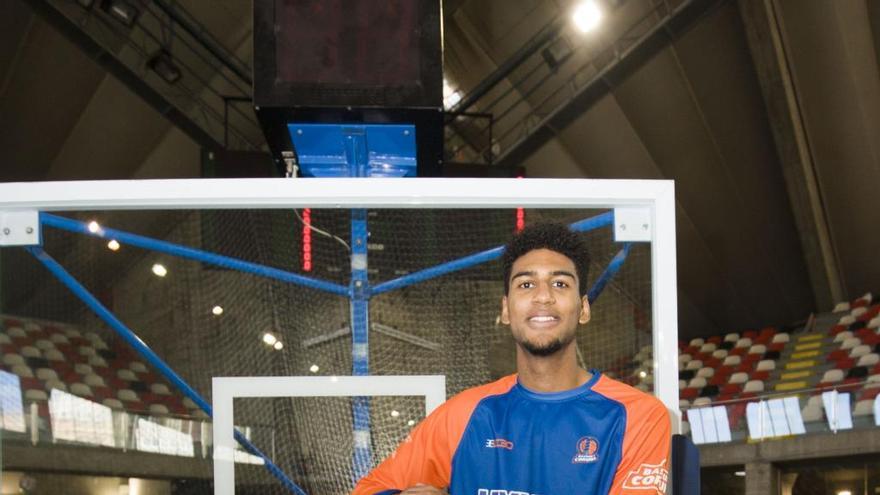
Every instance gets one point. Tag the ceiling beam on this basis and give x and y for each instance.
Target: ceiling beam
(772, 65)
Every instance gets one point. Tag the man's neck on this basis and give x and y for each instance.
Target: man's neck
(554, 373)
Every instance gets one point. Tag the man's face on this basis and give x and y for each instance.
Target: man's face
(543, 307)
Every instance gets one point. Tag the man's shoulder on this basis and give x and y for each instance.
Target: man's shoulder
(629, 396)
(472, 396)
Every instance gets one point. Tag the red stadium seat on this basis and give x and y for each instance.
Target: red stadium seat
(715, 339)
(836, 329)
(778, 347)
(750, 334)
(845, 363)
(761, 375)
(689, 393)
(837, 355)
(731, 389)
(870, 393)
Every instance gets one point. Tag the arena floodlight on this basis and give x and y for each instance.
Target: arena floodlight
(121, 11)
(587, 16)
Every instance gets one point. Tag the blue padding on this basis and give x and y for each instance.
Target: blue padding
(611, 270)
(588, 224)
(191, 253)
(123, 331)
(324, 150)
(685, 466)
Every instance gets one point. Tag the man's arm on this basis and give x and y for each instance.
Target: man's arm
(644, 466)
(420, 463)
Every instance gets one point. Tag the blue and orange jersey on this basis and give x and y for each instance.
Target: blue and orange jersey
(502, 438)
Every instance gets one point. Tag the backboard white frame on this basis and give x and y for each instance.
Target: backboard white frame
(656, 195)
(226, 389)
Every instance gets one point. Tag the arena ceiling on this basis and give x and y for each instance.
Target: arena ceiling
(766, 113)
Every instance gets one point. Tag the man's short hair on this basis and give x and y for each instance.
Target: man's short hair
(555, 237)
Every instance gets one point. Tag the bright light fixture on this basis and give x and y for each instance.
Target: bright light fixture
(643, 374)
(740, 473)
(113, 245)
(269, 339)
(411, 422)
(844, 492)
(217, 310)
(94, 227)
(159, 270)
(278, 346)
(314, 368)
(395, 413)
(587, 16)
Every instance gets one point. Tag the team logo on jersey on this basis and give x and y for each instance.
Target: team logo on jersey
(648, 477)
(587, 451)
(499, 443)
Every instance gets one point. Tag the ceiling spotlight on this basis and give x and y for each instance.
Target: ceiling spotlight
(94, 227)
(120, 10)
(269, 339)
(314, 368)
(163, 65)
(740, 473)
(217, 310)
(411, 422)
(159, 270)
(844, 492)
(587, 16)
(113, 245)
(643, 374)
(278, 346)
(395, 413)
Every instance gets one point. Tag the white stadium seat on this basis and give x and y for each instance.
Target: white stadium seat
(694, 365)
(859, 351)
(815, 401)
(840, 307)
(846, 320)
(706, 372)
(743, 342)
(697, 382)
(160, 389)
(731, 337)
(138, 367)
(16, 332)
(856, 312)
(59, 338)
(780, 337)
(158, 409)
(682, 384)
(87, 350)
(94, 381)
(719, 354)
(12, 359)
(44, 344)
(850, 343)
(46, 374)
(127, 395)
(127, 375)
(80, 389)
(766, 365)
(869, 359)
(754, 386)
(874, 323)
(32, 327)
(683, 403)
(56, 384)
(72, 333)
(4, 339)
(758, 349)
(697, 342)
(702, 401)
(846, 334)
(739, 377)
(811, 414)
(36, 395)
(54, 355)
(113, 403)
(832, 376)
(732, 361)
(82, 369)
(23, 370)
(189, 404)
(708, 347)
(30, 351)
(97, 361)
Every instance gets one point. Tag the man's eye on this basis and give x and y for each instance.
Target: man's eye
(560, 284)
(526, 285)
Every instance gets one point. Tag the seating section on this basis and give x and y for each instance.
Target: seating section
(840, 350)
(48, 356)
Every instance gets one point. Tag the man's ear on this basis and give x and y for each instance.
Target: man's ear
(585, 311)
(505, 315)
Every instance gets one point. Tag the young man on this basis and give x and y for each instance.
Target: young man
(551, 429)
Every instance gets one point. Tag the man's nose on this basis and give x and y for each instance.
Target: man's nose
(544, 295)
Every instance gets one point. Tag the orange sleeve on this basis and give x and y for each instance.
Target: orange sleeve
(644, 464)
(425, 456)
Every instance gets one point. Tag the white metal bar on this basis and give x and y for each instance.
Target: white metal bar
(226, 389)
(665, 303)
(328, 193)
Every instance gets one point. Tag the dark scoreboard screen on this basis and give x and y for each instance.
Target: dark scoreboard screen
(369, 42)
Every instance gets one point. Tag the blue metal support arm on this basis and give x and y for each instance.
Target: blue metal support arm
(135, 342)
(585, 225)
(62, 223)
(609, 272)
